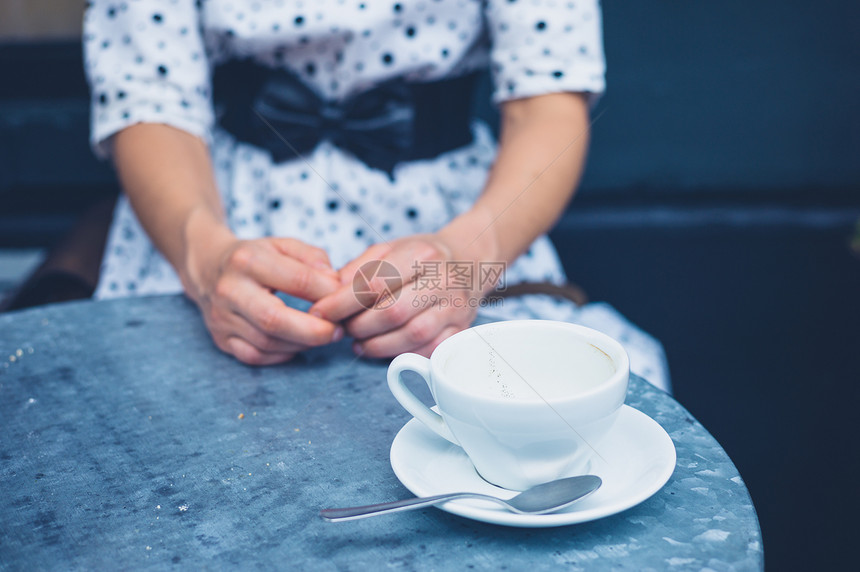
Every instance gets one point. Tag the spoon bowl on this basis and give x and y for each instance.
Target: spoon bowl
(541, 499)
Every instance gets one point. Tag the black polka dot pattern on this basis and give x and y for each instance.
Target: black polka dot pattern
(150, 61)
(147, 67)
(537, 46)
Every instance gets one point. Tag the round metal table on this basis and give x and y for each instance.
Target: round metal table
(130, 441)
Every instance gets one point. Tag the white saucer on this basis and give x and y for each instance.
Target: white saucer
(637, 460)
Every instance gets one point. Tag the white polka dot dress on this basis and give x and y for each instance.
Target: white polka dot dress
(153, 61)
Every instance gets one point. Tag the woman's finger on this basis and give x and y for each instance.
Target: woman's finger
(267, 265)
(376, 251)
(237, 326)
(274, 318)
(270, 316)
(376, 282)
(403, 306)
(419, 340)
(421, 329)
(427, 349)
(310, 255)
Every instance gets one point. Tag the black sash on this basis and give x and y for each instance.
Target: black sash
(394, 122)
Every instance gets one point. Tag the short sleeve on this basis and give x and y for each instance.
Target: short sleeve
(545, 46)
(146, 63)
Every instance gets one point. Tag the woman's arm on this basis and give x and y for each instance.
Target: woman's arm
(167, 175)
(541, 155)
(542, 149)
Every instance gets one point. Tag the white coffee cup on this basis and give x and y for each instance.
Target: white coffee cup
(528, 400)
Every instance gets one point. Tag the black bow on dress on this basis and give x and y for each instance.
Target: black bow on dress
(375, 126)
(392, 122)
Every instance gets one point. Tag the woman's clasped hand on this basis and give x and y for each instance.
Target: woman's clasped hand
(397, 296)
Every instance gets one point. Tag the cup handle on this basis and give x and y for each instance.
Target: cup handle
(421, 366)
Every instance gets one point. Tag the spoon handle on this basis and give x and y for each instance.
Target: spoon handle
(352, 513)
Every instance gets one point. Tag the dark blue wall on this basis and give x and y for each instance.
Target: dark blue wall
(737, 94)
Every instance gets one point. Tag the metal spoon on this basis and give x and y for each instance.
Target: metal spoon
(541, 499)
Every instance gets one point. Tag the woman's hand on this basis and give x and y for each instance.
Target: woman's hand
(422, 289)
(234, 289)
(167, 175)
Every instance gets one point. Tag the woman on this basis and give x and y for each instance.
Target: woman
(338, 134)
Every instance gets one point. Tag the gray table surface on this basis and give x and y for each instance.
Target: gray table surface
(122, 446)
